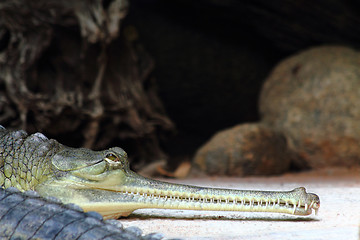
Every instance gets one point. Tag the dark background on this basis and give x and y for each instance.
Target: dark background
(211, 57)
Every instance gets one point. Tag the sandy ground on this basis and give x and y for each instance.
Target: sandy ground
(338, 218)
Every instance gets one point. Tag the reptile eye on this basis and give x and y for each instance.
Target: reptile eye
(112, 158)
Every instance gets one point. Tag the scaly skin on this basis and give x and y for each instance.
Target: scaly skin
(26, 215)
(102, 181)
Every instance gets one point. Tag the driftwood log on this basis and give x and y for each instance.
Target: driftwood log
(66, 70)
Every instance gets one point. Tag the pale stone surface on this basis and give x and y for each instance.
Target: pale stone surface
(338, 218)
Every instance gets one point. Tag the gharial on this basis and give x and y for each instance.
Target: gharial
(102, 181)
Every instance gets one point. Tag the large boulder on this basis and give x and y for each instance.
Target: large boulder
(313, 98)
(310, 109)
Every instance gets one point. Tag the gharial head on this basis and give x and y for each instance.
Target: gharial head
(82, 168)
(92, 179)
(102, 181)
(89, 165)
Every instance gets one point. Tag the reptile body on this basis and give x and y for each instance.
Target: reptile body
(102, 181)
(26, 215)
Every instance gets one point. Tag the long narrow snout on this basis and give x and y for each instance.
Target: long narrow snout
(137, 192)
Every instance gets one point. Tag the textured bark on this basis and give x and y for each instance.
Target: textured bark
(65, 71)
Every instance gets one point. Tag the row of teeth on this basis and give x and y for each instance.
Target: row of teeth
(250, 203)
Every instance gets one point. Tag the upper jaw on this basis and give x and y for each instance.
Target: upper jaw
(140, 192)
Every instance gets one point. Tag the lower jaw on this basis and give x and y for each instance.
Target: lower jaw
(124, 208)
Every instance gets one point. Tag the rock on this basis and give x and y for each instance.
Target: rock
(313, 98)
(246, 149)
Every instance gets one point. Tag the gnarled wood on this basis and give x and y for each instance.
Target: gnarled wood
(65, 70)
